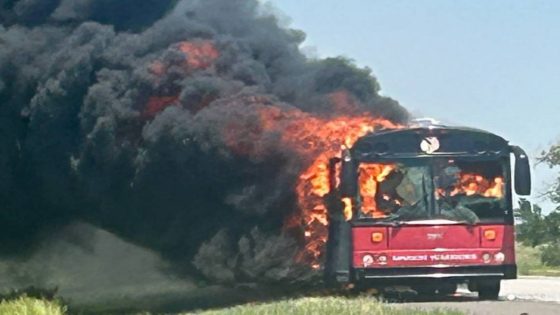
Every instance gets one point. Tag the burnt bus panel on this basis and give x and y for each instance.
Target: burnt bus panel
(338, 261)
(339, 253)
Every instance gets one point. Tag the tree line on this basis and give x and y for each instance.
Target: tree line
(537, 229)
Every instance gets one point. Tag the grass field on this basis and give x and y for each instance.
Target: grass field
(529, 263)
(324, 306)
(31, 306)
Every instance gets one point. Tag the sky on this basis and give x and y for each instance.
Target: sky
(492, 65)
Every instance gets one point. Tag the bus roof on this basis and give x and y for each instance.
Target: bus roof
(430, 140)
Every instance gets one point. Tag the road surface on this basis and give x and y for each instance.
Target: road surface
(526, 295)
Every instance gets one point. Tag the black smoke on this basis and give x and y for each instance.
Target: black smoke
(122, 15)
(81, 138)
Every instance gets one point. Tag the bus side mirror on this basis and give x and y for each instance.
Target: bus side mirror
(522, 172)
(348, 176)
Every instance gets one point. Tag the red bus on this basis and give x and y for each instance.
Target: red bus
(428, 207)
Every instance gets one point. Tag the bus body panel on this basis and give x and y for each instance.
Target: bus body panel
(433, 245)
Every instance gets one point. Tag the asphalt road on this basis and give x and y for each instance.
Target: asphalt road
(526, 295)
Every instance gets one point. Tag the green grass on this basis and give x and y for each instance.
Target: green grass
(529, 262)
(303, 306)
(31, 306)
(324, 306)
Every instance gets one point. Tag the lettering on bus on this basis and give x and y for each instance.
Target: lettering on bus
(435, 257)
(410, 258)
(448, 257)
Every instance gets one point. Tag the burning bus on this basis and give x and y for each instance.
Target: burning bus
(429, 206)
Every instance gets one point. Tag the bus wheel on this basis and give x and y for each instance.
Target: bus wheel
(489, 290)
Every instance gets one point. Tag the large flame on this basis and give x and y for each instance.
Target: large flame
(370, 177)
(315, 139)
(313, 183)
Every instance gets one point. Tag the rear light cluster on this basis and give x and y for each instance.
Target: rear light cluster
(369, 260)
(490, 234)
(498, 257)
(377, 237)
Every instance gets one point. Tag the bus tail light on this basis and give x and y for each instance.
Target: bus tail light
(487, 258)
(377, 237)
(499, 257)
(490, 235)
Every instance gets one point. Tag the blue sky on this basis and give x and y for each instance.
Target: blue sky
(487, 64)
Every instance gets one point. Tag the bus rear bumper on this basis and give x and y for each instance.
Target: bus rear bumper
(420, 274)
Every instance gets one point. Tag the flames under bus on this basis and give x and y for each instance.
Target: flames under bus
(428, 207)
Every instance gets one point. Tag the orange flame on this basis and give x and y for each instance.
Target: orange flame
(313, 183)
(200, 54)
(343, 102)
(370, 177)
(472, 184)
(348, 211)
(314, 139)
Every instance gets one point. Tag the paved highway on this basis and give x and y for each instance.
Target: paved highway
(526, 295)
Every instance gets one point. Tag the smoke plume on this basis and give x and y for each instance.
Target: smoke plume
(180, 126)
